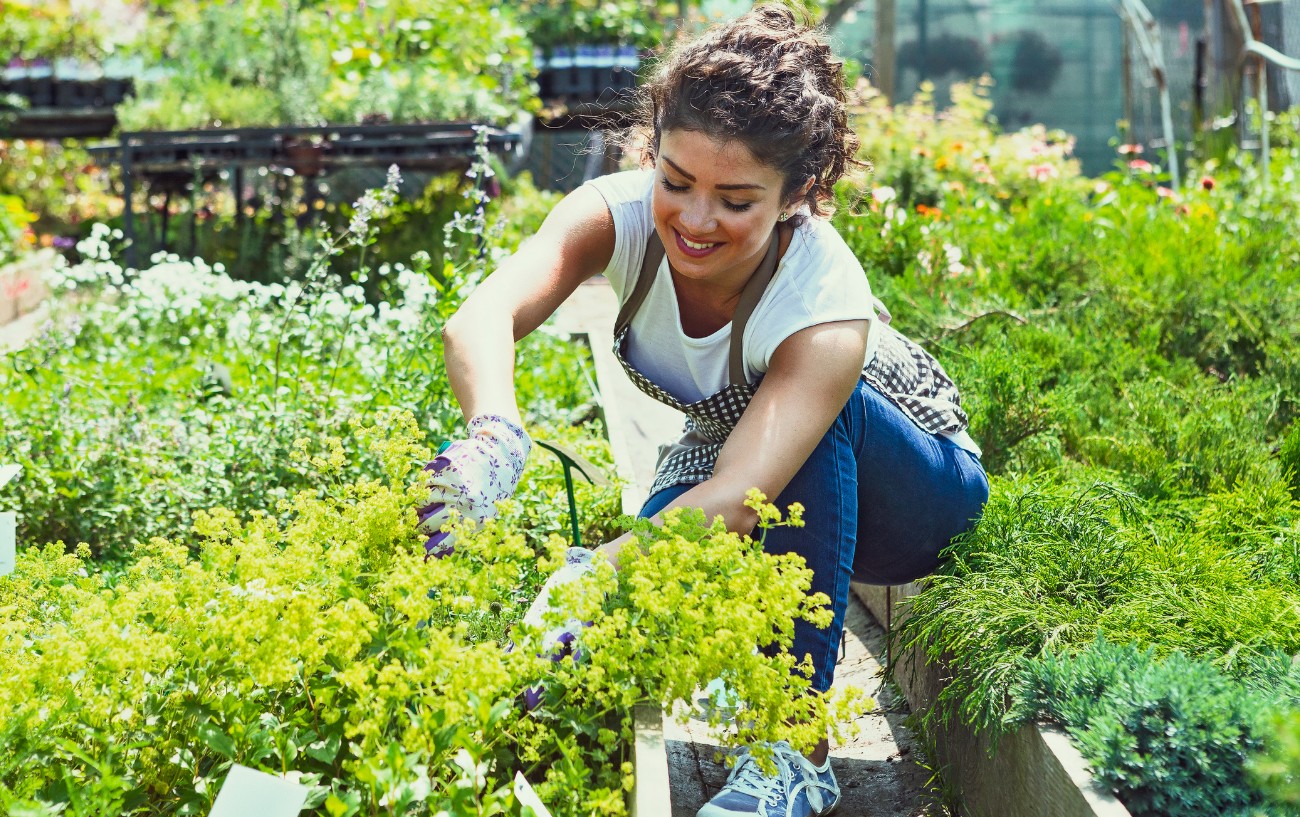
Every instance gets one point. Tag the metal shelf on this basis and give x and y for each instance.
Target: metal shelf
(171, 158)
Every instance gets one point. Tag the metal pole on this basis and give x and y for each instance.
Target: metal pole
(128, 195)
(1262, 84)
(1128, 81)
(922, 39)
(886, 55)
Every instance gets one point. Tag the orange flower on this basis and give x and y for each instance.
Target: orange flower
(941, 163)
(927, 210)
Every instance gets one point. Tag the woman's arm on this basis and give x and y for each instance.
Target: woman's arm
(574, 243)
(812, 375)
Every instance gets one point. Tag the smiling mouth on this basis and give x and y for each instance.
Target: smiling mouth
(694, 247)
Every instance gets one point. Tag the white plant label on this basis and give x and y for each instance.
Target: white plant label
(8, 525)
(527, 797)
(248, 791)
(8, 541)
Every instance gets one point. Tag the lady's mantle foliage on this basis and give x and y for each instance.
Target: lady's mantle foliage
(326, 645)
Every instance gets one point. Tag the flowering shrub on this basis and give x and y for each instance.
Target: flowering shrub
(15, 234)
(325, 645)
(58, 183)
(155, 393)
(273, 63)
(953, 156)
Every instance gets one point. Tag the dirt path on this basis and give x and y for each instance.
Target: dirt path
(880, 770)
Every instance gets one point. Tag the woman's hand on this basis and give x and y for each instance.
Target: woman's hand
(560, 641)
(470, 476)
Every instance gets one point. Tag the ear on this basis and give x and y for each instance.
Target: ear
(798, 195)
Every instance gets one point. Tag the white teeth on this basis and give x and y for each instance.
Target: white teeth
(695, 246)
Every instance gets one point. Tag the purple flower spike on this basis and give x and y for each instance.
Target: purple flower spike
(436, 548)
(533, 697)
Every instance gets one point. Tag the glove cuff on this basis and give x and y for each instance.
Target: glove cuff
(505, 432)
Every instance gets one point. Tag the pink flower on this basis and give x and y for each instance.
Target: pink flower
(1164, 193)
(1130, 150)
(1141, 166)
(1042, 172)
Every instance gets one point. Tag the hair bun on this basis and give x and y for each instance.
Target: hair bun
(778, 17)
(769, 80)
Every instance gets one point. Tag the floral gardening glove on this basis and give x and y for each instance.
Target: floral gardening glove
(560, 642)
(470, 476)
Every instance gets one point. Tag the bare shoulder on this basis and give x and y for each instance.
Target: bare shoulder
(826, 351)
(580, 228)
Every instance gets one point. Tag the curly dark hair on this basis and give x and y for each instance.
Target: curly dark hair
(768, 80)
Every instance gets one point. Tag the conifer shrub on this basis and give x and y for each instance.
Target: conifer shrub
(1172, 737)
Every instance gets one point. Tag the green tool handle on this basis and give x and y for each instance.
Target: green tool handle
(568, 464)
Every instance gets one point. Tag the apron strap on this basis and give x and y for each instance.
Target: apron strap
(654, 253)
(749, 298)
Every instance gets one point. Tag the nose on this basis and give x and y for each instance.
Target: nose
(697, 217)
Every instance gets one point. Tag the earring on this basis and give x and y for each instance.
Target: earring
(783, 217)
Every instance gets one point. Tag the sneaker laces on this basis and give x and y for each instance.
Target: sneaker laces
(748, 778)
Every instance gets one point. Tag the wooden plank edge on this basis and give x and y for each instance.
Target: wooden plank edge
(650, 793)
(1035, 771)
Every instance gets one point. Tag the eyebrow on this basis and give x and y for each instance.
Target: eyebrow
(689, 177)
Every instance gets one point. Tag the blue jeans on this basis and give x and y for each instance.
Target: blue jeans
(882, 498)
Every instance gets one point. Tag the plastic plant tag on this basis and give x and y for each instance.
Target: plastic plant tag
(8, 541)
(248, 791)
(8, 525)
(527, 797)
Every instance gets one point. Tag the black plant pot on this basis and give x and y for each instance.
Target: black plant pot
(41, 92)
(116, 90)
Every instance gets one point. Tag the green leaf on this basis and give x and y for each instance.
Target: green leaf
(217, 740)
(324, 750)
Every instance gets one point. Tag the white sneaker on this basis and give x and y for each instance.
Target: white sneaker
(798, 789)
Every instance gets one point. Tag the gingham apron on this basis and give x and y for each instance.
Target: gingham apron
(901, 370)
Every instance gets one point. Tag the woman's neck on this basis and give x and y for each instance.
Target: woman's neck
(707, 306)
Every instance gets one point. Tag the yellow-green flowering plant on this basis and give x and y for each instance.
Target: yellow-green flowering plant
(318, 642)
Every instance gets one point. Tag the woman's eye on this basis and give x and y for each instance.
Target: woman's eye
(681, 188)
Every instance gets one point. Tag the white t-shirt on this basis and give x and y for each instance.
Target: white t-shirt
(818, 280)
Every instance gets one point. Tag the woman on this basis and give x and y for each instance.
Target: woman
(743, 308)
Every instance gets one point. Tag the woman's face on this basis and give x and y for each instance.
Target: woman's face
(714, 207)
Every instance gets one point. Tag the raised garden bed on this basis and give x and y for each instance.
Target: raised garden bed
(1032, 772)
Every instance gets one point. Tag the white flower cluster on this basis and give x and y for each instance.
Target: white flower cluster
(185, 300)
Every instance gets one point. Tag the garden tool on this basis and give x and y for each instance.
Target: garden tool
(569, 460)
